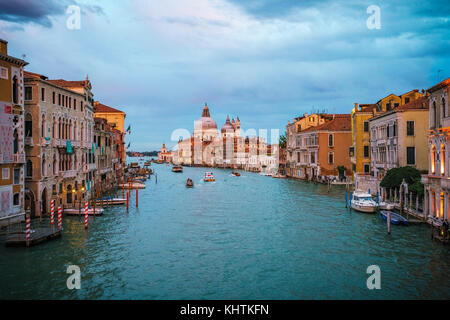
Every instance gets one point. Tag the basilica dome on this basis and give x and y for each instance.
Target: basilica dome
(227, 127)
(205, 122)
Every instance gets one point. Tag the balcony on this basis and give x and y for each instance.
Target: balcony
(69, 174)
(45, 141)
(29, 141)
(19, 158)
(76, 144)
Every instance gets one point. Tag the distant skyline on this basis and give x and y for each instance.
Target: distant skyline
(264, 61)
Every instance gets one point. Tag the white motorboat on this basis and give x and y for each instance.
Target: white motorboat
(386, 206)
(363, 202)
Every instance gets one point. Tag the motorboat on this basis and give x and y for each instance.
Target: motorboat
(177, 169)
(209, 177)
(131, 185)
(236, 174)
(111, 201)
(189, 183)
(395, 217)
(363, 202)
(279, 176)
(386, 206)
(75, 212)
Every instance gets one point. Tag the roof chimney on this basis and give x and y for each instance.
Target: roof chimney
(4, 47)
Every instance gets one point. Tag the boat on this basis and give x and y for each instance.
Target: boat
(132, 185)
(77, 211)
(363, 202)
(395, 217)
(177, 169)
(279, 176)
(386, 206)
(111, 201)
(209, 177)
(189, 183)
(236, 174)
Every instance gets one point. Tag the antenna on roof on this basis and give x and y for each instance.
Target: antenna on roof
(438, 73)
(24, 56)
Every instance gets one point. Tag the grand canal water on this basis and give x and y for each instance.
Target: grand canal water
(248, 237)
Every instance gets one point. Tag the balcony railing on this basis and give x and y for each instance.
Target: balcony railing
(19, 158)
(28, 141)
(69, 174)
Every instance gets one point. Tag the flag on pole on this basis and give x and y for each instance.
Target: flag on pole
(129, 143)
(129, 129)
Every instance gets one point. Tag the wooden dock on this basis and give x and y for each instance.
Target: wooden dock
(38, 236)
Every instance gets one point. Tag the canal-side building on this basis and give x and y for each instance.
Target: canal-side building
(399, 138)
(105, 175)
(12, 149)
(116, 119)
(437, 182)
(164, 155)
(58, 139)
(293, 130)
(324, 148)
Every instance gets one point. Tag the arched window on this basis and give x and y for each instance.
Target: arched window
(43, 127)
(44, 166)
(16, 199)
(330, 140)
(16, 142)
(15, 92)
(442, 157)
(29, 168)
(434, 115)
(444, 109)
(28, 125)
(433, 159)
(69, 136)
(55, 164)
(59, 128)
(54, 128)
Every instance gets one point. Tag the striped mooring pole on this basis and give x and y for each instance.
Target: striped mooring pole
(52, 212)
(28, 230)
(86, 214)
(59, 218)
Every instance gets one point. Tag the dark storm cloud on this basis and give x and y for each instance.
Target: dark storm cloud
(38, 11)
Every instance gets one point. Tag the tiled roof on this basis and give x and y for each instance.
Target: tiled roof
(69, 84)
(420, 103)
(28, 74)
(367, 107)
(440, 85)
(101, 108)
(341, 122)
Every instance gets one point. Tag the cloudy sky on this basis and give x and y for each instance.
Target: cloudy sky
(266, 61)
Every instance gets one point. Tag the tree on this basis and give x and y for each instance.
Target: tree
(395, 176)
(282, 141)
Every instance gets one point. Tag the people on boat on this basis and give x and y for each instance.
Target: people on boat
(189, 182)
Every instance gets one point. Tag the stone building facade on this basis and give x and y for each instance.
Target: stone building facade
(58, 139)
(12, 149)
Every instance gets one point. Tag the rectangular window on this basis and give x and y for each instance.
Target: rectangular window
(330, 158)
(388, 106)
(5, 173)
(42, 94)
(59, 99)
(366, 151)
(28, 93)
(4, 73)
(395, 130)
(63, 100)
(409, 128)
(388, 129)
(74, 104)
(410, 155)
(54, 97)
(16, 176)
(366, 126)
(330, 140)
(366, 168)
(396, 105)
(406, 100)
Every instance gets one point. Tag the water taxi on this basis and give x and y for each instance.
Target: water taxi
(279, 176)
(177, 169)
(363, 202)
(236, 174)
(111, 201)
(76, 212)
(132, 185)
(209, 177)
(189, 183)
